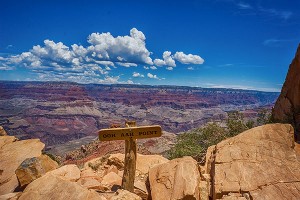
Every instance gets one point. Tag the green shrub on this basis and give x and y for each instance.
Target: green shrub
(195, 142)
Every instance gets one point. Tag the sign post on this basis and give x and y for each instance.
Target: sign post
(129, 134)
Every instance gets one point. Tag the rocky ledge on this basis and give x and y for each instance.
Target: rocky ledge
(261, 163)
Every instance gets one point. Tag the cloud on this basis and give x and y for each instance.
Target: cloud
(131, 49)
(136, 74)
(169, 68)
(244, 6)
(285, 15)
(92, 63)
(188, 58)
(152, 76)
(167, 60)
(127, 64)
(276, 42)
(9, 46)
(191, 68)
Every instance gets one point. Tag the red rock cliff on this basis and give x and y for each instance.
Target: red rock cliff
(287, 106)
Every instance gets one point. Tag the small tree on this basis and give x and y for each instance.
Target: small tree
(236, 124)
(264, 117)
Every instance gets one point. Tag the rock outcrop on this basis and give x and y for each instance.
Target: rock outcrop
(51, 186)
(12, 154)
(287, 106)
(33, 168)
(176, 179)
(260, 163)
(2, 131)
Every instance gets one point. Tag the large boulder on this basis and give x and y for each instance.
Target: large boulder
(111, 179)
(176, 179)
(51, 186)
(260, 163)
(12, 154)
(67, 172)
(33, 168)
(287, 106)
(143, 162)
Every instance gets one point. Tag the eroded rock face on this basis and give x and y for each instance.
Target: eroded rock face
(12, 154)
(33, 168)
(287, 106)
(176, 179)
(260, 163)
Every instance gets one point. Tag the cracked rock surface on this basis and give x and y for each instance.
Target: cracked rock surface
(261, 163)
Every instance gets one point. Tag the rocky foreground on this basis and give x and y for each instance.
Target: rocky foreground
(261, 163)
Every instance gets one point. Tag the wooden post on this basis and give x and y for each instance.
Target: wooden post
(130, 161)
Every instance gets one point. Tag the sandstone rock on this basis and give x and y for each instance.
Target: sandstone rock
(113, 168)
(287, 106)
(7, 140)
(125, 195)
(116, 160)
(143, 162)
(87, 173)
(176, 179)
(111, 179)
(33, 168)
(260, 163)
(89, 183)
(140, 189)
(12, 154)
(2, 131)
(11, 196)
(68, 172)
(55, 187)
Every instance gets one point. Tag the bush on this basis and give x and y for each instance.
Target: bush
(195, 142)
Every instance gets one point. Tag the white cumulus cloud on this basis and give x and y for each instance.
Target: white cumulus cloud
(188, 58)
(167, 60)
(152, 76)
(94, 62)
(136, 74)
(131, 49)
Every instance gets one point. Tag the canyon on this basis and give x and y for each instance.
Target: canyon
(59, 112)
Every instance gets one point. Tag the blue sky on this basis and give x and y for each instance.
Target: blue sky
(208, 43)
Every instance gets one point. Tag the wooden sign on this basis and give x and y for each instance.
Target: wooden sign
(130, 133)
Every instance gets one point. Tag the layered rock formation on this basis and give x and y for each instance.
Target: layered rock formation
(58, 112)
(260, 163)
(287, 106)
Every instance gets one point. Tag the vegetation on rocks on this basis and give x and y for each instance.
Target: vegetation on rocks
(196, 141)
